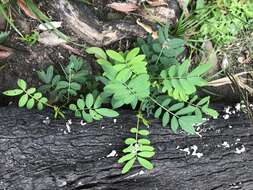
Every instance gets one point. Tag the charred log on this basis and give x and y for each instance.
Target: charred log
(37, 154)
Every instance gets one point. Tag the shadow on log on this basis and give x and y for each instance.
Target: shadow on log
(36, 154)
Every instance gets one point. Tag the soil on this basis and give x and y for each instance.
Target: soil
(26, 59)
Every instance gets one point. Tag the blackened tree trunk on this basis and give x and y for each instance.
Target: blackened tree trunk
(38, 154)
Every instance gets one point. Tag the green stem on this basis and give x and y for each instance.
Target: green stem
(163, 107)
(9, 20)
(160, 54)
(46, 104)
(137, 127)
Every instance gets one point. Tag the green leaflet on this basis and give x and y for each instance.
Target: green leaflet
(124, 75)
(128, 166)
(133, 53)
(107, 112)
(80, 104)
(98, 52)
(126, 157)
(145, 163)
(23, 100)
(115, 56)
(14, 92)
(130, 141)
(174, 124)
(30, 104)
(144, 141)
(179, 83)
(3, 36)
(200, 70)
(187, 122)
(22, 84)
(165, 119)
(89, 108)
(47, 76)
(89, 100)
(143, 132)
(146, 154)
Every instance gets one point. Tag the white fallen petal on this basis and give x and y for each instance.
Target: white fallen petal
(225, 144)
(187, 150)
(112, 154)
(50, 25)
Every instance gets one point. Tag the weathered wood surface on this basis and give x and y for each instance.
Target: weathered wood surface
(82, 21)
(39, 156)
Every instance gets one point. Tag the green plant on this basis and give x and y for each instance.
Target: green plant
(126, 79)
(219, 21)
(3, 36)
(29, 97)
(45, 20)
(5, 11)
(30, 39)
(162, 52)
(4, 7)
(62, 87)
(137, 148)
(90, 109)
(172, 95)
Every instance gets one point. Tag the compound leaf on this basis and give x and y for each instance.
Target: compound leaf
(145, 163)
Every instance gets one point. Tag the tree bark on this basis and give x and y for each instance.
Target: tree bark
(39, 155)
(81, 21)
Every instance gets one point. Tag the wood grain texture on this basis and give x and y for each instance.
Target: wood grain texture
(39, 156)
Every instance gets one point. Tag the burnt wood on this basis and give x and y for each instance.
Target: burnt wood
(38, 154)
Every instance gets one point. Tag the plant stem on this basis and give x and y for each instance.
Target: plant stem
(163, 107)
